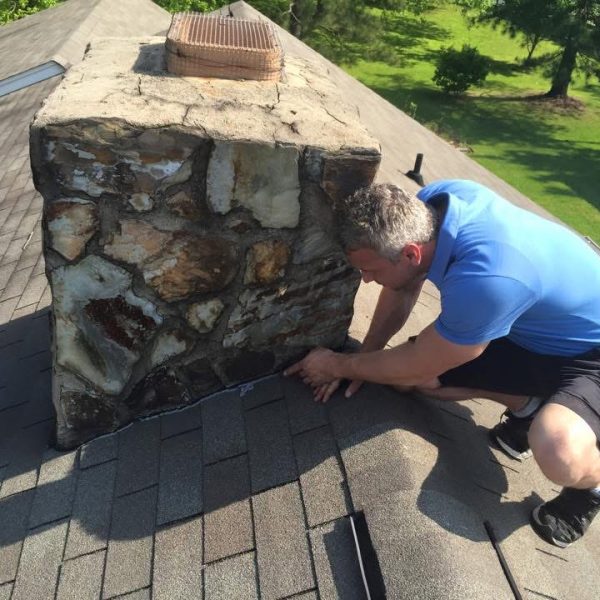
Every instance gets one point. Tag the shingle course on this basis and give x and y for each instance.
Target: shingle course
(81, 578)
(228, 520)
(284, 561)
(14, 516)
(223, 426)
(139, 447)
(55, 488)
(40, 561)
(232, 579)
(90, 521)
(178, 561)
(304, 412)
(180, 484)
(129, 557)
(323, 488)
(270, 448)
(334, 554)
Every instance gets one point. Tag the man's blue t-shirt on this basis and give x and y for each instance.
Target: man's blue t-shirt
(503, 271)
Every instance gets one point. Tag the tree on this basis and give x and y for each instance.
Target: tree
(342, 30)
(573, 25)
(578, 32)
(11, 10)
(533, 18)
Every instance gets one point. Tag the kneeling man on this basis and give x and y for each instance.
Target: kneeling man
(519, 324)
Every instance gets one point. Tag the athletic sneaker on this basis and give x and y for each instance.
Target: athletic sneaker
(565, 519)
(511, 435)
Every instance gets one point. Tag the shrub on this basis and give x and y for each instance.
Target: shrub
(458, 70)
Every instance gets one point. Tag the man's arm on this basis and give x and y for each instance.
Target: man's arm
(391, 313)
(410, 364)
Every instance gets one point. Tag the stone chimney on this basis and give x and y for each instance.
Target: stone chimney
(188, 229)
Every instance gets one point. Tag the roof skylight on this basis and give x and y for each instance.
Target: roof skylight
(30, 77)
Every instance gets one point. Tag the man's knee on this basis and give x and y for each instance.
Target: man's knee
(562, 444)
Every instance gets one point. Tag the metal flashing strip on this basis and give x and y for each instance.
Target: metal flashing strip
(30, 77)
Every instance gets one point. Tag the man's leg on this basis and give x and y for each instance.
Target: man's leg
(456, 394)
(566, 449)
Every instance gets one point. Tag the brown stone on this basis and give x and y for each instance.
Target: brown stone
(314, 310)
(266, 261)
(100, 325)
(192, 265)
(71, 224)
(85, 413)
(119, 321)
(184, 205)
(345, 173)
(136, 242)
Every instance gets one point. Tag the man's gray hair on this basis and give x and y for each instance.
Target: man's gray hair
(384, 218)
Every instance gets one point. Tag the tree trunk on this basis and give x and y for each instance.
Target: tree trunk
(562, 77)
(295, 25)
(532, 43)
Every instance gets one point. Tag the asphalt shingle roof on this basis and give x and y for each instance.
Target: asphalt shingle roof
(247, 494)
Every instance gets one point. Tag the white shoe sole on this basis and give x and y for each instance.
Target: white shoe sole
(512, 452)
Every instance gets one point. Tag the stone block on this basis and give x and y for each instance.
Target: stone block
(266, 262)
(71, 224)
(200, 216)
(343, 174)
(202, 316)
(240, 174)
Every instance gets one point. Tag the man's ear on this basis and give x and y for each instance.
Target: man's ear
(413, 253)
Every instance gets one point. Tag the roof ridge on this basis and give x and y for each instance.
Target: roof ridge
(62, 59)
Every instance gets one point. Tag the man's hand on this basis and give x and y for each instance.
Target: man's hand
(323, 392)
(317, 368)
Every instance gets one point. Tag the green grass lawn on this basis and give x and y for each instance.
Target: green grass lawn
(552, 156)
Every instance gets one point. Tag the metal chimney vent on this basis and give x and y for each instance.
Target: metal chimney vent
(203, 46)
